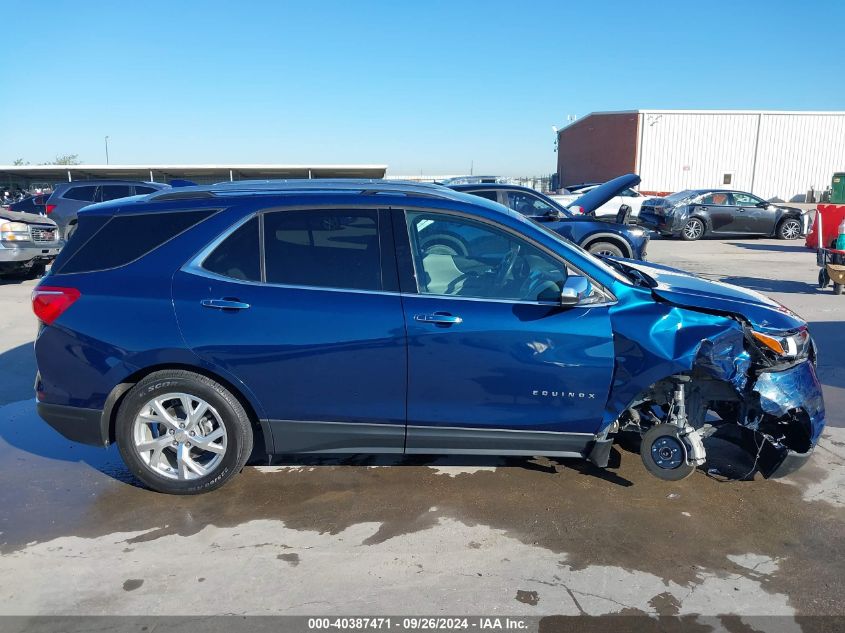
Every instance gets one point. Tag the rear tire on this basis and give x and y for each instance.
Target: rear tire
(167, 452)
(693, 230)
(789, 229)
(837, 288)
(605, 248)
(69, 231)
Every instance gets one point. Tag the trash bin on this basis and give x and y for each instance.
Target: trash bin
(837, 189)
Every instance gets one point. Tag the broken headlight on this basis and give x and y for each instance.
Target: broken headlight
(789, 346)
(14, 232)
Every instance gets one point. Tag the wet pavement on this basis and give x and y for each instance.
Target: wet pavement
(383, 535)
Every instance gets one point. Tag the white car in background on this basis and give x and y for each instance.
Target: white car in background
(633, 199)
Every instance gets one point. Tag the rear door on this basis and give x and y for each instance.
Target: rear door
(495, 364)
(314, 327)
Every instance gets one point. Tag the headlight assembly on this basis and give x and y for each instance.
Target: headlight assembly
(788, 346)
(14, 232)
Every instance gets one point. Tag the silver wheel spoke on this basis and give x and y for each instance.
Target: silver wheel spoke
(155, 444)
(197, 414)
(205, 442)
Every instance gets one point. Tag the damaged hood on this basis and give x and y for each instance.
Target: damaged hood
(27, 218)
(690, 291)
(595, 198)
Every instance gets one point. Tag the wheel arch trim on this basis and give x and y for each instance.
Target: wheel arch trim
(613, 238)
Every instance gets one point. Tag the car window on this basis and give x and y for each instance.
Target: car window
(489, 195)
(142, 191)
(464, 258)
(630, 193)
(113, 192)
(323, 248)
(239, 255)
(717, 198)
(528, 204)
(122, 239)
(746, 200)
(85, 193)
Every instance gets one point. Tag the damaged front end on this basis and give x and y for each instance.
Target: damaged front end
(685, 371)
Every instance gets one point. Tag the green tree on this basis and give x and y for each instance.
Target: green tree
(20, 161)
(66, 159)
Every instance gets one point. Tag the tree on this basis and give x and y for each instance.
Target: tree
(66, 159)
(20, 161)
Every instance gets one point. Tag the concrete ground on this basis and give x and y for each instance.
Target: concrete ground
(451, 536)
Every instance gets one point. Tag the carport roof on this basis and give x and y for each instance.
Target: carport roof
(207, 173)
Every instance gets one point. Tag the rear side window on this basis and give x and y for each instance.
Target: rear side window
(239, 255)
(490, 195)
(123, 239)
(323, 248)
(85, 193)
(113, 192)
(142, 191)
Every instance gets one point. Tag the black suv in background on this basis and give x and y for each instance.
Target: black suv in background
(68, 198)
(596, 236)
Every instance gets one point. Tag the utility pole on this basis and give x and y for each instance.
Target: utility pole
(107, 150)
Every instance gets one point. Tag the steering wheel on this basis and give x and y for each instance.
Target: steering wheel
(507, 265)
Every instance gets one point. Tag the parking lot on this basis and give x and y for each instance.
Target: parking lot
(441, 535)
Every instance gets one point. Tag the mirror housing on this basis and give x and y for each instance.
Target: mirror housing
(575, 290)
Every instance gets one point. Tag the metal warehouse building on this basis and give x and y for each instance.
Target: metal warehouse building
(772, 154)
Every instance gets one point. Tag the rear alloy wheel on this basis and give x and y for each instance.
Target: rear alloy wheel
(605, 249)
(693, 230)
(789, 229)
(664, 453)
(183, 433)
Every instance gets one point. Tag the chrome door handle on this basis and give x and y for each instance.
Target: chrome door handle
(224, 304)
(443, 319)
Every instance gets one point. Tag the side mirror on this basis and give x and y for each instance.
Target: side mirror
(575, 290)
(763, 204)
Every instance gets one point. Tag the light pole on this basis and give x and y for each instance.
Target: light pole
(107, 150)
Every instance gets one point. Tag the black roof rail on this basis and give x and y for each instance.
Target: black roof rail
(184, 195)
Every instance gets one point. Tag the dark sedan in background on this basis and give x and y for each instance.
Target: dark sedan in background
(692, 214)
(596, 236)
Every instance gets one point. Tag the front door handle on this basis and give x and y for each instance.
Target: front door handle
(224, 304)
(439, 318)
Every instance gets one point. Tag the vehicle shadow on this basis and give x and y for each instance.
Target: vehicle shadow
(774, 285)
(776, 248)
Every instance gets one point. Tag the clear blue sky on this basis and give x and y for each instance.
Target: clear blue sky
(421, 86)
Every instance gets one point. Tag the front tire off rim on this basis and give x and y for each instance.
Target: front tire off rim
(179, 436)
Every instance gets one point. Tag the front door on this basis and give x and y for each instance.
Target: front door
(495, 364)
(314, 329)
(755, 215)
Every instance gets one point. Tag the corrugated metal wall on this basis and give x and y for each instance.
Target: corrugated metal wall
(793, 153)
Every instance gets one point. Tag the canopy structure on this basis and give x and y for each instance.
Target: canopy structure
(25, 176)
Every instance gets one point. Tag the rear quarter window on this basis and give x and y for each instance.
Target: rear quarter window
(86, 193)
(122, 239)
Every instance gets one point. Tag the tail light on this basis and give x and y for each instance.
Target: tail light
(49, 208)
(50, 302)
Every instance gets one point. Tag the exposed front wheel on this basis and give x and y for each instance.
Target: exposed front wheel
(693, 230)
(183, 433)
(606, 249)
(664, 453)
(789, 229)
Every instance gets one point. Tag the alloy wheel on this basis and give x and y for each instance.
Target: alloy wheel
(693, 230)
(179, 436)
(791, 230)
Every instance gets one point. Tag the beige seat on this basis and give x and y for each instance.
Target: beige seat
(442, 274)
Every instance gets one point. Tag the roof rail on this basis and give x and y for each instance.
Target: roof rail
(183, 195)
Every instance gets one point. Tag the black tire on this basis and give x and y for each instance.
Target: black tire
(823, 279)
(693, 230)
(789, 229)
(69, 231)
(233, 416)
(665, 437)
(36, 271)
(837, 288)
(605, 248)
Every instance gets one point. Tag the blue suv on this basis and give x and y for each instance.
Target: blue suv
(311, 317)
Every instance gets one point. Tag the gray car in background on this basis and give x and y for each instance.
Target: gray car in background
(68, 198)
